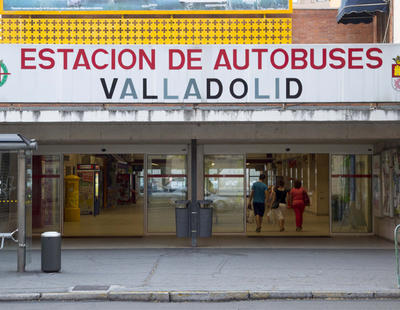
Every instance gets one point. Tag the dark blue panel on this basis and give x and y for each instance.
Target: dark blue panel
(360, 11)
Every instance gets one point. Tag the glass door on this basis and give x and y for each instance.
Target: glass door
(46, 193)
(351, 194)
(166, 183)
(224, 185)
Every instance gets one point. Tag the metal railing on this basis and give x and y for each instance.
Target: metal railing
(10, 235)
(396, 249)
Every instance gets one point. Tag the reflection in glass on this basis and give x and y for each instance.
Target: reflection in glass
(167, 182)
(8, 192)
(28, 206)
(46, 195)
(224, 185)
(351, 193)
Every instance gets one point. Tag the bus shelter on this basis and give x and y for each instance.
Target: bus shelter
(16, 193)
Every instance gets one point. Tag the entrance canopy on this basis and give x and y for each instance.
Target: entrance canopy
(15, 142)
(360, 11)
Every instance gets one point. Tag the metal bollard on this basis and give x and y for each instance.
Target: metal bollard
(51, 251)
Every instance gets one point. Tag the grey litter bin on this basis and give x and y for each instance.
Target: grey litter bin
(182, 222)
(182, 218)
(51, 251)
(205, 229)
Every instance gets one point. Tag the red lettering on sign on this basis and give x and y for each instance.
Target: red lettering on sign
(334, 57)
(259, 52)
(171, 59)
(246, 60)
(285, 55)
(43, 57)
(81, 55)
(353, 58)
(191, 59)
(151, 63)
(24, 58)
(312, 59)
(222, 55)
(302, 58)
(377, 59)
(133, 61)
(65, 52)
(94, 62)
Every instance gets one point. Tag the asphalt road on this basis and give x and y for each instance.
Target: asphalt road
(246, 305)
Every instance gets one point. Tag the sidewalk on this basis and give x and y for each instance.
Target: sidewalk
(225, 268)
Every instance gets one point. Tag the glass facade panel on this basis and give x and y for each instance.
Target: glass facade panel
(224, 185)
(107, 193)
(8, 192)
(46, 193)
(351, 194)
(167, 182)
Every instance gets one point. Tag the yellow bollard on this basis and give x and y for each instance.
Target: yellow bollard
(72, 212)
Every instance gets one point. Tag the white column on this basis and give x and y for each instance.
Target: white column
(396, 21)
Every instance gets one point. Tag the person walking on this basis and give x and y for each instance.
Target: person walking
(298, 200)
(259, 194)
(278, 204)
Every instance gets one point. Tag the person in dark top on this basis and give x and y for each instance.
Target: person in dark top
(279, 204)
(259, 193)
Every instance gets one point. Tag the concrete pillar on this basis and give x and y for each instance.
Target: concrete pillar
(396, 21)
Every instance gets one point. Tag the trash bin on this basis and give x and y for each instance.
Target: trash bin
(51, 251)
(205, 227)
(206, 214)
(182, 219)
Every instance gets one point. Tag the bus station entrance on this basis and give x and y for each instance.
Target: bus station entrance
(133, 192)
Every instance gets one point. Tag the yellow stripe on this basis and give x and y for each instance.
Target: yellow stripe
(146, 31)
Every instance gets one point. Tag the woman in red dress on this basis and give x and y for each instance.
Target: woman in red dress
(298, 200)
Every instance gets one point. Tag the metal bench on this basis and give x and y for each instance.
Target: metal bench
(8, 236)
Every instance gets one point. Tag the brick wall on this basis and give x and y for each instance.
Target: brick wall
(320, 26)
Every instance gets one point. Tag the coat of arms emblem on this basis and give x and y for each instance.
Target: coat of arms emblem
(396, 73)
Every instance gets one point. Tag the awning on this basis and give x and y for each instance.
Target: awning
(360, 11)
(14, 142)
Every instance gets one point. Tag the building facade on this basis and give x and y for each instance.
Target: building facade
(141, 148)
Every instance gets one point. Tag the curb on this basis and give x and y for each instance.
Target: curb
(343, 295)
(139, 296)
(195, 296)
(208, 296)
(74, 296)
(20, 297)
(260, 295)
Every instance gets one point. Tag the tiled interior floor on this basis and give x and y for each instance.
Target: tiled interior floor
(127, 220)
(123, 220)
(313, 225)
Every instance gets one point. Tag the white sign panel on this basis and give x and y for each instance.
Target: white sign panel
(199, 73)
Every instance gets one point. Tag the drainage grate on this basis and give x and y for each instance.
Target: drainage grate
(91, 288)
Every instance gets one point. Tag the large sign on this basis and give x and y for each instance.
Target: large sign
(146, 6)
(234, 74)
